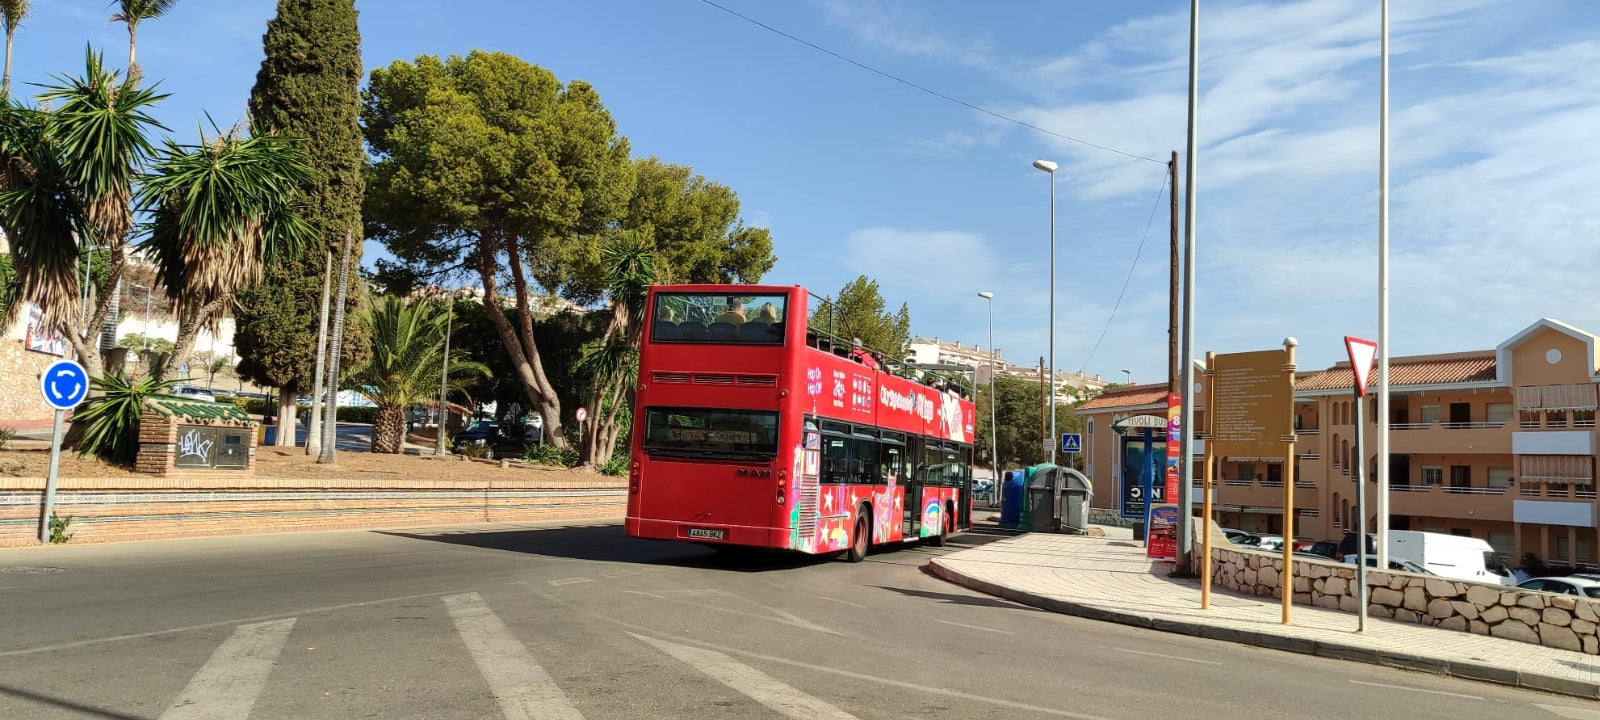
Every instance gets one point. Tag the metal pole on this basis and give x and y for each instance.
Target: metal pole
(439, 447)
(1361, 520)
(50, 480)
(1383, 296)
(1054, 438)
(994, 441)
(318, 393)
(1186, 372)
(1205, 507)
(1286, 577)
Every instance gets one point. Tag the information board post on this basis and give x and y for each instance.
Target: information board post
(1205, 503)
(64, 384)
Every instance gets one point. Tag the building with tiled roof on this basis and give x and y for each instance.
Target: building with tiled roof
(1070, 386)
(1497, 444)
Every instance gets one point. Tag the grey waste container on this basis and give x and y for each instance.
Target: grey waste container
(1043, 515)
(1059, 500)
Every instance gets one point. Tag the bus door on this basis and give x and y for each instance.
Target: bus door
(916, 478)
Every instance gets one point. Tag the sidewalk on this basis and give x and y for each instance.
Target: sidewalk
(1108, 578)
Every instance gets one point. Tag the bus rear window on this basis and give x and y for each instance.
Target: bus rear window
(719, 319)
(702, 432)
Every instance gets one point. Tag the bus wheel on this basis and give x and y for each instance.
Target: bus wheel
(859, 539)
(949, 528)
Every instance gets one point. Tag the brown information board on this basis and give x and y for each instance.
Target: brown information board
(1251, 404)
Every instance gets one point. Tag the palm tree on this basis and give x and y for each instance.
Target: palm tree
(12, 13)
(213, 366)
(134, 12)
(67, 186)
(408, 341)
(612, 362)
(221, 211)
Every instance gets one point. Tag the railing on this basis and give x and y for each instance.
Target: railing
(1308, 431)
(1305, 485)
(1309, 512)
(1474, 491)
(1410, 426)
(1237, 483)
(1472, 425)
(1310, 456)
(1411, 488)
(1589, 423)
(1272, 483)
(1529, 425)
(1584, 494)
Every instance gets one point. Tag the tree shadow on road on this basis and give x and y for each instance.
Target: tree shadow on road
(63, 703)
(607, 543)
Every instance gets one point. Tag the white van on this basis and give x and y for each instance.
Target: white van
(1451, 556)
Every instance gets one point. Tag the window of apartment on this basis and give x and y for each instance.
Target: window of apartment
(1501, 477)
(1458, 532)
(1583, 550)
(1555, 418)
(1430, 413)
(1563, 549)
(1461, 476)
(1529, 419)
(1432, 476)
(1247, 472)
(1504, 543)
(1499, 413)
(1583, 418)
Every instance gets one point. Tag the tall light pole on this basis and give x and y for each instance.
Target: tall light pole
(1050, 167)
(1127, 376)
(994, 442)
(440, 447)
(1383, 295)
(1186, 355)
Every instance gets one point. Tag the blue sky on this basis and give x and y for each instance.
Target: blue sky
(1494, 117)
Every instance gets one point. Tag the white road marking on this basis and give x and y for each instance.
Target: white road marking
(927, 689)
(646, 594)
(1414, 689)
(977, 627)
(802, 622)
(1159, 655)
(777, 616)
(1570, 712)
(229, 683)
(524, 690)
(842, 602)
(759, 686)
(570, 581)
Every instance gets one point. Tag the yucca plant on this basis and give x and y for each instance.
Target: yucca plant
(111, 418)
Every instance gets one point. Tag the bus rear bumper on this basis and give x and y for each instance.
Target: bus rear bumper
(710, 533)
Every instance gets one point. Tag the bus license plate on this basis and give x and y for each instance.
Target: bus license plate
(705, 533)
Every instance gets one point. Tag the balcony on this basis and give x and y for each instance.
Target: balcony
(1449, 438)
(1450, 502)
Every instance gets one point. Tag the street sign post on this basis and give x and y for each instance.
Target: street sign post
(1361, 354)
(1072, 443)
(64, 384)
(582, 415)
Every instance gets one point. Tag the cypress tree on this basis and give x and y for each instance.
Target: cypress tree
(308, 87)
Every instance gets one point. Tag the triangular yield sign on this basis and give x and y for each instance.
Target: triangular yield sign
(1361, 354)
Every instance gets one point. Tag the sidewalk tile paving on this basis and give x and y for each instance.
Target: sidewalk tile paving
(1109, 578)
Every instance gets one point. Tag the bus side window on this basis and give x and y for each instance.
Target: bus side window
(863, 461)
(834, 460)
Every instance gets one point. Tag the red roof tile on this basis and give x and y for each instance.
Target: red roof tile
(1128, 396)
(1458, 368)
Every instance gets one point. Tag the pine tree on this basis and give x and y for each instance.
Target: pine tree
(308, 87)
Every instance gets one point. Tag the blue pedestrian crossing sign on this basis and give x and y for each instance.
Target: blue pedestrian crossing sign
(1071, 442)
(64, 384)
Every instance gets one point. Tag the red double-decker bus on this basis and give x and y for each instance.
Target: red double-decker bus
(755, 427)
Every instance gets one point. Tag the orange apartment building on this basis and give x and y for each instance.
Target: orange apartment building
(1496, 444)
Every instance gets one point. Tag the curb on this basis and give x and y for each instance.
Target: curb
(1340, 651)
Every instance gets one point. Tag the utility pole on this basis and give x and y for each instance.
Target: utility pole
(1186, 371)
(439, 447)
(330, 422)
(314, 426)
(1044, 405)
(1174, 380)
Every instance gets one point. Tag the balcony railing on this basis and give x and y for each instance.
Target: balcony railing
(1272, 483)
(1584, 494)
(1410, 426)
(1411, 488)
(1472, 425)
(1236, 483)
(1308, 431)
(1303, 485)
(1474, 491)
(1310, 456)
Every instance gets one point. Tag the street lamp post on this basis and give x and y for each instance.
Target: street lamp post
(1050, 168)
(1127, 376)
(994, 443)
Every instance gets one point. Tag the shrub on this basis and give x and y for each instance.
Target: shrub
(617, 466)
(7, 433)
(111, 420)
(58, 528)
(357, 414)
(551, 455)
(473, 450)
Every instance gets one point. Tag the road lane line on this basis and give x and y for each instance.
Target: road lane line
(229, 683)
(1159, 655)
(977, 627)
(842, 602)
(1415, 689)
(759, 686)
(802, 622)
(523, 689)
(570, 581)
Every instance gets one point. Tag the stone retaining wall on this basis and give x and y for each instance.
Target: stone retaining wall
(222, 503)
(1108, 516)
(1558, 621)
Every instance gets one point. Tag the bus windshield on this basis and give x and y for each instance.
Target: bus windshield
(702, 432)
(718, 318)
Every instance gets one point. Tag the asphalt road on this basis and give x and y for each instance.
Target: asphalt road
(504, 621)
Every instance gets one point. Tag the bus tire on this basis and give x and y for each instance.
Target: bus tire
(861, 539)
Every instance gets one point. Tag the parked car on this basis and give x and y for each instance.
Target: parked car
(1326, 548)
(1238, 537)
(189, 392)
(1400, 564)
(1586, 576)
(1273, 543)
(499, 442)
(1564, 586)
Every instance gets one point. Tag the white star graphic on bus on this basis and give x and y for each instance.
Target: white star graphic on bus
(827, 502)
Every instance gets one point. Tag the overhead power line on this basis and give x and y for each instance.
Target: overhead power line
(925, 89)
(1129, 279)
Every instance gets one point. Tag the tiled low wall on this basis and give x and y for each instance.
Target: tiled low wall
(1559, 621)
(1108, 516)
(108, 510)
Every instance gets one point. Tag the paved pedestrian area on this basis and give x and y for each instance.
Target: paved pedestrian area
(1108, 578)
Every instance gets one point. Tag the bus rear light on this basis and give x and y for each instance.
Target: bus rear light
(633, 477)
(781, 498)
